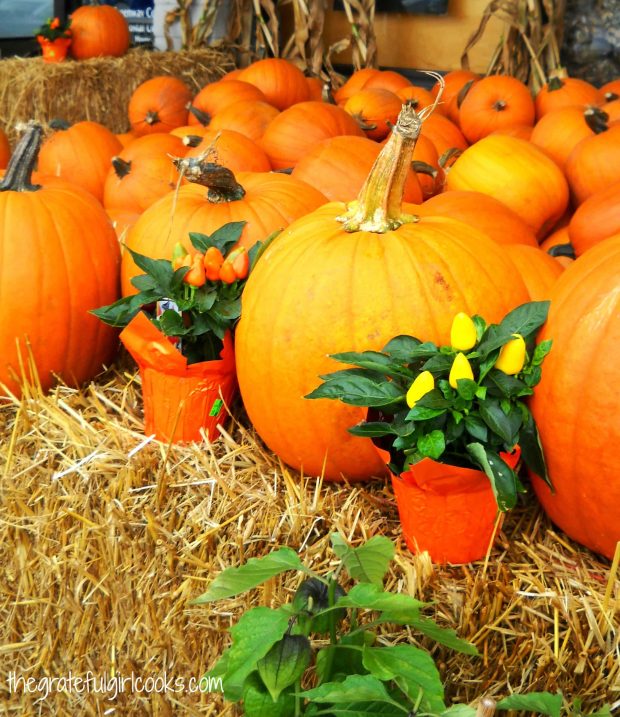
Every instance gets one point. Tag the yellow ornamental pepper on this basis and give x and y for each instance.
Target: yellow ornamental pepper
(460, 369)
(424, 383)
(463, 332)
(511, 356)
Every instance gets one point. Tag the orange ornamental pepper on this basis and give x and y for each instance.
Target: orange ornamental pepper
(180, 257)
(196, 275)
(227, 273)
(236, 266)
(213, 263)
(54, 23)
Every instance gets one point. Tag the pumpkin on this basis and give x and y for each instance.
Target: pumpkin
(558, 246)
(594, 164)
(610, 90)
(246, 117)
(612, 110)
(98, 31)
(282, 83)
(375, 110)
(5, 150)
(231, 75)
(517, 173)
(443, 133)
(315, 88)
(387, 80)
(565, 92)
(576, 403)
(267, 201)
(561, 130)
(418, 98)
(215, 97)
(494, 102)
(298, 129)
(230, 149)
(361, 273)
(538, 270)
(425, 162)
(125, 138)
(61, 259)
(453, 88)
(522, 131)
(142, 173)
(338, 167)
(80, 153)
(122, 221)
(159, 105)
(482, 211)
(596, 219)
(354, 84)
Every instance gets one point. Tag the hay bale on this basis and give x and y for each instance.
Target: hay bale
(104, 540)
(98, 89)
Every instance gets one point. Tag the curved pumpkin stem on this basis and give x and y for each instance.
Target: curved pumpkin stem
(21, 165)
(202, 117)
(121, 167)
(221, 182)
(596, 119)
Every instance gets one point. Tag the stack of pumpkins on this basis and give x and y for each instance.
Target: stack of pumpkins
(495, 177)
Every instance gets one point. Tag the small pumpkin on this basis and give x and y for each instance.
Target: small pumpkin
(538, 270)
(375, 110)
(387, 80)
(79, 153)
(230, 149)
(98, 31)
(594, 164)
(453, 87)
(576, 402)
(354, 84)
(282, 83)
(418, 98)
(611, 90)
(566, 92)
(216, 96)
(246, 117)
(63, 261)
(159, 105)
(5, 149)
(443, 133)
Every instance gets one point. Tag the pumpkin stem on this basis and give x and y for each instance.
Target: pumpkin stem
(151, 117)
(121, 166)
(610, 96)
(555, 83)
(202, 117)
(19, 172)
(499, 106)
(221, 182)
(58, 124)
(192, 140)
(562, 250)
(378, 206)
(596, 119)
(327, 94)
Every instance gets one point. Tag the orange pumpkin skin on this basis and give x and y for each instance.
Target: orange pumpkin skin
(159, 105)
(482, 211)
(375, 110)
(126, 138)
(282, 83)
(233, 150)
(443, 133)
(122, 221)
(338, 167)
(246, 117)
(142, 173)
(558, 238)
(354, 84)
(80, 154)
(315, 89)
(98, 31)
(566, 92)
(419, 98)
(561, 130)
(494, 102)
(454, 82)
(70, 264)
(517, 173)
(594, 164)
(538, 270)
(576, 403)
(610, 90)
(5, 150)
(387, 80)
(215, 97)
(522, 131)
(596, 219)
(357, 290)
(271, 202)
(298, 129)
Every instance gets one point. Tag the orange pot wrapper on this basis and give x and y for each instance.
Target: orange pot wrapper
(449, 511)
(179, 399)
(54, 50)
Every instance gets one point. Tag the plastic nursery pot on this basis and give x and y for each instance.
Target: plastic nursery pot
(448, 511)
(54, 50)
(180, 400)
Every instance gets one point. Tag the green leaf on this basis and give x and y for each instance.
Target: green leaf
(432, 444)
(524, 320)
(442, 635)
(358, 391)
(159, 269)
(541, 351)
(466, 388)
(476, 428)
(506, 426)
(367, 596)
(253, 636)
(433, 399)
(121, 312)
(284, 664)
(257, 701)
(543, 702)
(260, 247)
(507, 386)
(503, 478)
(362, 709)
(144, 282)
(205, 298)
(409, 349)
(605, 711)
(459, 711)
(373, 429)
(422, 413)
(532, 450)
(233, 581)
(413, 669)
(362, 688)
(338, 656)
(367, 563)
(374, 361)
(226, 236)
(171, 324)
(439, 364)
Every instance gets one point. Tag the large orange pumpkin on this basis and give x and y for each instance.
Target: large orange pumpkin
(538, 270)
(350, 278)
(517, 173)
(576, 403)
(267, 201)
(596, 219)
(282, 83)
(61, 259)
(80, 153)
(98, 31)
(159, 105)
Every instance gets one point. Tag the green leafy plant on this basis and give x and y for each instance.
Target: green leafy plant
(350, 672)
(53, 28)
(462, 404)
(191, 298)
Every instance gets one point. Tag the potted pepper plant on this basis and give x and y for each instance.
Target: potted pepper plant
(179, 329)
(452, 423)
(54, 37)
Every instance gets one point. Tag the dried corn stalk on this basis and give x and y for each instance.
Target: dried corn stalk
(529, 48)
(361, 17)
(305, 47)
